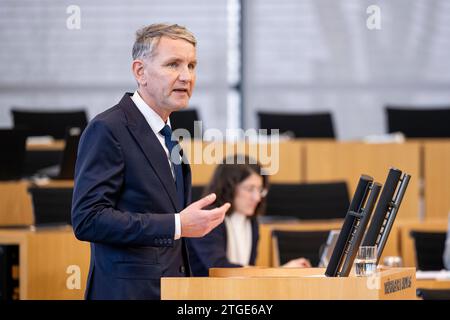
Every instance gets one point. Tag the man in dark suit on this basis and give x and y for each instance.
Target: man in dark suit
(132, 184)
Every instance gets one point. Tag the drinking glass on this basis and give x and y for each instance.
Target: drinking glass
(393, 261)
(366, 261)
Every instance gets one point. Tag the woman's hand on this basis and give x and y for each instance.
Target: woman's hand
(298, 263)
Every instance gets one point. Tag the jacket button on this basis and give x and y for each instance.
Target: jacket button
(182, 269)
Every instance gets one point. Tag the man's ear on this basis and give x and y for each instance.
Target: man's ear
(137, 66)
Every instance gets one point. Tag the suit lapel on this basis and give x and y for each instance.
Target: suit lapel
(150, 146)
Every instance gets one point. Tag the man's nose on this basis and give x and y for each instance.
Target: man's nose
(185, 74)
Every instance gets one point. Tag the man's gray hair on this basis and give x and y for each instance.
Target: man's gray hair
(148, 37)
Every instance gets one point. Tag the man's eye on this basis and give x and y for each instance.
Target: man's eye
(173, 65)
(192, 66)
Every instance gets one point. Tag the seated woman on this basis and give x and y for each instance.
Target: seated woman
(234, 242)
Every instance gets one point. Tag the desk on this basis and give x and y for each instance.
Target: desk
(284, 159)
(55, 184)
(15, 201)
(44, 257)
(427, 160)
(433, 284)
(56, 145)
(42, 155)
(265, 249)
(437, 179)
(408, 251)
(331, 161)
(296, 284)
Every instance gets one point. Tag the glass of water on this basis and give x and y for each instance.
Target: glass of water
(393, 261)
(366, 261)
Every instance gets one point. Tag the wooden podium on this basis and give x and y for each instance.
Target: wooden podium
(290, 284)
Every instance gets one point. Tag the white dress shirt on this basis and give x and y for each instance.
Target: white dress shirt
(156, 123)
(239, 238)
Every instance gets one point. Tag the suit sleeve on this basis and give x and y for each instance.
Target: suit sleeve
(98, 182)
(211, 249)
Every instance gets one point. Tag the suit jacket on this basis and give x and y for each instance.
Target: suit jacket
(124, 203)
(211, 250)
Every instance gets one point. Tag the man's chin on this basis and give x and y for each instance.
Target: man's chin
(180, 106)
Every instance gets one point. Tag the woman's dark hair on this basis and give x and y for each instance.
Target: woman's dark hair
(226, 177)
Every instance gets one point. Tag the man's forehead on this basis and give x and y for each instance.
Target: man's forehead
(177, 48)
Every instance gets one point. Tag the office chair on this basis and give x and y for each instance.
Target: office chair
(419, 123)
(48, 123)
(36, 160)
(290, 245)
(51, 205)
(429, 248)
(314, 125)
(310, 201)
(12, 146)
(433, 294)
(69, 156)
(185, 119)
(65, 170)
(55, 164)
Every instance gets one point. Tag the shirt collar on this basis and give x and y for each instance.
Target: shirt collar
(238, 217)
(153, 119)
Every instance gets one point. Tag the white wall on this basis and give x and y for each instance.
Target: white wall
(319, 55)
(300, 55)
(43, 63)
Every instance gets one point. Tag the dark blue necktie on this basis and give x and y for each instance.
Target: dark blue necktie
(170, 144)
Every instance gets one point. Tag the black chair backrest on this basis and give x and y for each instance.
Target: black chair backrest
(12, 146)
(419, 123)
(48, 123)
(185, 119)
(433, 294)
(314, 125)
(51, 206)
(297, 244)
(69, 156)
(36, 160)
(429, 248)
(312, 201)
